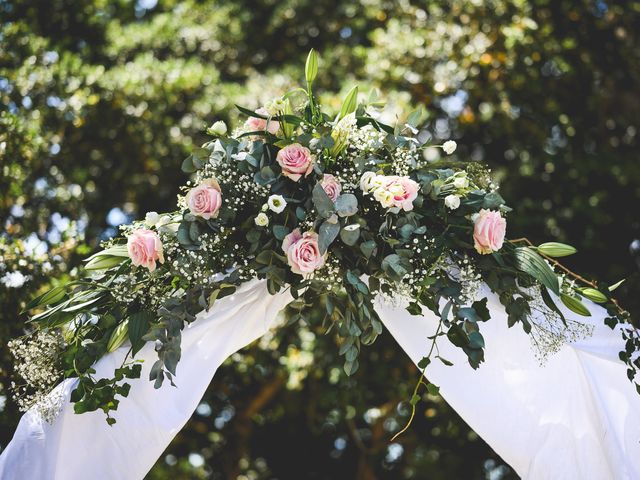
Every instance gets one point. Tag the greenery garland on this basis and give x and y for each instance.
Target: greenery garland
(338, 210)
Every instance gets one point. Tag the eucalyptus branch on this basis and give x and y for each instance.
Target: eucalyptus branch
(414, 397)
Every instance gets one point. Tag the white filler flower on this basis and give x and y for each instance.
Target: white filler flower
(151, 219)
(449, 147)
(218, 129)
(452, 202)
(262, 220)
(14, 279)
(276, 203)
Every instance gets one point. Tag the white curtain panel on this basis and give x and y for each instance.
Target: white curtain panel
(576, 417)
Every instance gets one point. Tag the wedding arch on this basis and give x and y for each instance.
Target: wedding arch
(303, 215)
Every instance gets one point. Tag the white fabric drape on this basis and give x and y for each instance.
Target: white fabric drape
(574, 418)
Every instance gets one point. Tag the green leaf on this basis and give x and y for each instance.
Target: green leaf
(481, 309)
(395, 266)
(351, 367)
(171, 359)
(616, 285)
(104, 262)
(424, 363)
(48, 298)
(555, 249)
(350, 234)
(492, 201)
(444, 361)
(528, 261)
(457, 336)
(575, 305)
(476, 340)
(188, 166)
(183, 234)
(346, 205)
(350, 103)
(115, 251)
(322, 202)
(433, 389)
(280, 231)
(138, 326)
(368, 248)
(327, 234)
(468, 313)
(311, 66)
(74, 307)
(118, 336)
(548, 301)
(415, 117)
(251, 113)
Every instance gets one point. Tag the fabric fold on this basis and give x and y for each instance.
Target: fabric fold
(574, 417)
(77, 447)
(571, 417)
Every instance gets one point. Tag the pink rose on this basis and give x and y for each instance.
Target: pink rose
(145, 247)
(295, 161)
(399, 192)
(303, 252)
(255, 124)
(331, 186)
(488, 232)
(205, 200)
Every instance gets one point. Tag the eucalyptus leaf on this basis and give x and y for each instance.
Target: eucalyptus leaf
(322, 202)
(327, 234)
(346, 205)
(350, 234)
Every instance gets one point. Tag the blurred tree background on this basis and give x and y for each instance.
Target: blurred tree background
(102, 99)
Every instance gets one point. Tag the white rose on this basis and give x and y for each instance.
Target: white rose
(262, 220)
(218, 129)
(151, 219)
(449, 147)
(452, 201)
(461, 182)
(276, 203)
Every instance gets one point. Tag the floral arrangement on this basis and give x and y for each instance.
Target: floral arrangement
(340, 210)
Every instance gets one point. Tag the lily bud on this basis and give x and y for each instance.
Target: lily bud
(555, 249)
(311, 67)
(593, 295)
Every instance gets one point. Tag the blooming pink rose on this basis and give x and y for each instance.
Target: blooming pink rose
(400, 192)
(255, 124)
(489, 231)
(145, 247)
(331, 186)
(205, 200)
(303, 252)
(295, 161)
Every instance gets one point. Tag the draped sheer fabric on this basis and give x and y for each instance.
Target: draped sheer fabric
(576, 417)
